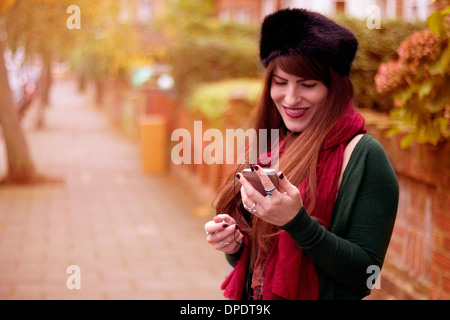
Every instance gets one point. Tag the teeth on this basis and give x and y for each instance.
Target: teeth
(295, 111)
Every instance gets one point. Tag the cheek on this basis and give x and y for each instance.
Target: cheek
(321, 95)
(275, 94)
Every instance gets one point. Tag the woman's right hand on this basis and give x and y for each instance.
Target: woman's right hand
(224, 234)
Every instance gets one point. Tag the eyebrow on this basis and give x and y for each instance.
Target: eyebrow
(281, 78)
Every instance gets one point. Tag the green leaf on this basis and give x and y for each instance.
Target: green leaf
(425, 89)
(434, 22)
(441, 99)
(445, 59)
(408, 140)
(437, 68)
(430, 134)
(443, 124)
(393, 131)
(440, 67)
(404, 95)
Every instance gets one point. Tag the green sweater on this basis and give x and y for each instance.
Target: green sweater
(361, 225)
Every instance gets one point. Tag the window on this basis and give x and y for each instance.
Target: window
(242, 15)
(144, 10)
(340, 7)
(267, 7)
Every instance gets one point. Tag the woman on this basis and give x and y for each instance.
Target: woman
(331, 220)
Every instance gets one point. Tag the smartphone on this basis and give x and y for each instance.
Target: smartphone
(253, 178)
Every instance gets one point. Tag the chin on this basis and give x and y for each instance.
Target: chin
(295, 127)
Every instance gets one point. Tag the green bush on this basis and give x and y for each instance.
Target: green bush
(375, 46)
(212, 100)
(214, 51)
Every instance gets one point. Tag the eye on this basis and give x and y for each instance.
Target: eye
(309, 85)
(278, 82)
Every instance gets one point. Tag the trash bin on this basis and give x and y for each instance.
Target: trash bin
(153, 141)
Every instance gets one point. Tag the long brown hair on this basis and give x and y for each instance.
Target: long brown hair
(299, 161)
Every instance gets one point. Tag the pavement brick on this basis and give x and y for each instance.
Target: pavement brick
(133, 235)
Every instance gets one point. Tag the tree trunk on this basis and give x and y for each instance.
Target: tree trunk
(20, 165)
(45, 83)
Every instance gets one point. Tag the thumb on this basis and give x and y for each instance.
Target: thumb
(223, 218)
(287, 186)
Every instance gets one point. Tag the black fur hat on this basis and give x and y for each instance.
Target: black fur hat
(307, 33)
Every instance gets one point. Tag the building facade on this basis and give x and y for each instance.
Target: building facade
(253, 11)
(141, 11)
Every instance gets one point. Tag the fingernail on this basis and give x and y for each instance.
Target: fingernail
(225, 225)
(281, 176)
(238, 175)
(237, 227)
(256, 167)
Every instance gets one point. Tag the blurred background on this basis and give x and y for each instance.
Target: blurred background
(91, 91)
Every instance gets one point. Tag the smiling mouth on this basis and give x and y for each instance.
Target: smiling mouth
(295, 112)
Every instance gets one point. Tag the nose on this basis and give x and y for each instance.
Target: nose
(292, 97)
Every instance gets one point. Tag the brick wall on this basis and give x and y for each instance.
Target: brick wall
(418, 258)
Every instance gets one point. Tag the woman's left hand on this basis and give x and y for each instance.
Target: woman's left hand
(278, 208)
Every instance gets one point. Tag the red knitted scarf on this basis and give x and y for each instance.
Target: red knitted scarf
(289, 273)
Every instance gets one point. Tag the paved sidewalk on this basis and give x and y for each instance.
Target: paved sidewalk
(132, 235)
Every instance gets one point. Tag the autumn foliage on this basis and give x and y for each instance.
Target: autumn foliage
(420, 81)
